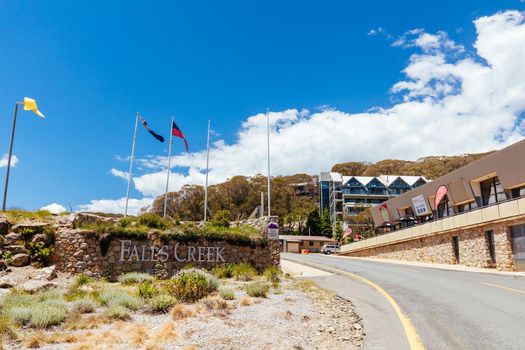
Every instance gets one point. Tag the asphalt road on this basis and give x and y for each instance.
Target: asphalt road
(449, 309)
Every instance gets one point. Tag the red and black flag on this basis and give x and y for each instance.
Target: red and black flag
(175, 131)
(153, 133)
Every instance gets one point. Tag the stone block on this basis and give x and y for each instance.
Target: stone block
(20, 260)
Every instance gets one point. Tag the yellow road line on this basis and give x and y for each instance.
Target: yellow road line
(503, 287)
(413, 338)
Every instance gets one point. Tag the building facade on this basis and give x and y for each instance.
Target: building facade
(473, 216)
(294, 244)
(349, 195)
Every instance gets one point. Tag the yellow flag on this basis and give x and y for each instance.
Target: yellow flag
(30, 105)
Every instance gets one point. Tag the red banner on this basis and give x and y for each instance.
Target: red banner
(440, 193)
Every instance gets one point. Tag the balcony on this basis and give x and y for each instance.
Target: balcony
(503, 210)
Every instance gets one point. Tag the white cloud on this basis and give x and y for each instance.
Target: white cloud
(452, 100)
(119, 173)
(54, 208)
(4, 159)
(115, 206)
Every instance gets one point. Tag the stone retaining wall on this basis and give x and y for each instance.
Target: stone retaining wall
(81, 251)
(473, 247)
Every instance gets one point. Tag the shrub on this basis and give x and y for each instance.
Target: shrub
(135, 277)
(125, 221)
(277, 291)
(27, 233)
(83, 306)
(257, 289)
(153, 221)
(272, 275)
(81, 280)
(8, 257)
(221, 218)
(243, 272)
(161, 303)
(147, 290)
(120, 298)
(117, 312)
(224, 271)
(39, 252)
(43, 316)
(227, 294)
(192, 284)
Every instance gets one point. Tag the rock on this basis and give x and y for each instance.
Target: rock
(47, 273)
(4, 226)
(15, 249)
(11, 238)
(20, 260)
(35, 226)
(41, 238)
(35, 286)
(4, 285)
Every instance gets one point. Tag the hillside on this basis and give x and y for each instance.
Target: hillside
(293, 197)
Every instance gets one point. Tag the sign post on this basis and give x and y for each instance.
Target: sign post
(273, 228)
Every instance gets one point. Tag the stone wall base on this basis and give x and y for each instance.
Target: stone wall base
(473, 247)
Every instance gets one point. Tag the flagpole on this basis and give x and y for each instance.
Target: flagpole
(10, 155)
(207, 169)
(131, 162)
(169, 166)
(268, 144)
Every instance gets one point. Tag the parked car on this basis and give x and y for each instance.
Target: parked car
(330, 249)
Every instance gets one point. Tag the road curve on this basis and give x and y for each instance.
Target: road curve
(449, 309)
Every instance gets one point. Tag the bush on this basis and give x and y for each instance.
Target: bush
(227, 294)
(120, 298)
(39, 252)
(81, 280)
(192, 284)
(117, 312)
(153, 221)
(221, 218)
(224, 271)
(272, 274)
(257, 289)
(147, 290)
(125, 221)
(243, 272)
(135, 277)
(83, 306)
(161, 303)
(44, 316)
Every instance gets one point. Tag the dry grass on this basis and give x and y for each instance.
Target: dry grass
(77, 321)
(215, 302)
(153, 346)
(166, 333)
(139, 334)
(246, 301)
(181, 311)
(35, 340)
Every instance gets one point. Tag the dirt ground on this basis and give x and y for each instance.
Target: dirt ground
(296, 315)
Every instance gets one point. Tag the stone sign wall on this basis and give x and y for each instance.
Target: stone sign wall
(473, 247)
(82, 251)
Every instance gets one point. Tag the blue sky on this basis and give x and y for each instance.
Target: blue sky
(92, 65)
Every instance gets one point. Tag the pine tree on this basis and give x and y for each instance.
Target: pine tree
(313, 223)
(338, 231)
(326, 224)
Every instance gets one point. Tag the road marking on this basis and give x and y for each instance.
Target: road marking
(503, 287)
(413, 338)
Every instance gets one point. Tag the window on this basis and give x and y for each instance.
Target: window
(311, 244)
(518, 192)
(466, 207)
(489, 236)
(491, 191)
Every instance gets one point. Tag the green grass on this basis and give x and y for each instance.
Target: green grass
(135, 277)
(226, 294)
(224, 271)
(46, 315)
(117, 312)
(147, 290)
(243, 272)
(161, 303)
(119, 297)
(192, 284)
(257, 289)
(83, 306)
(272, 275)
(81, 280)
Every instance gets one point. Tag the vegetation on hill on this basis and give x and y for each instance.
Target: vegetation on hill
(295, 198)
(431, 167)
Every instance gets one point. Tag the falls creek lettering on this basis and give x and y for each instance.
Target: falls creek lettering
(130, 251)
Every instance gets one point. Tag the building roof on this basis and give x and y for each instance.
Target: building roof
(386, 180)
(306, 238)
(336, 177)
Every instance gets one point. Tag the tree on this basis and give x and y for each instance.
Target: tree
(338, 231)
(221, 218)
(313, 223)
(326, 224)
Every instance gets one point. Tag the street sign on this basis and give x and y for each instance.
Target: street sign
(273, 230)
